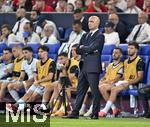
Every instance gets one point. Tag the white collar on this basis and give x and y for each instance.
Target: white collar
(94, 31)
(22, 19)
(81, 20)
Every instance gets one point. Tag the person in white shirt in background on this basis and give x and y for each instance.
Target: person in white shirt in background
(21, 21)
(122, 4)
(6, 63)
(29, 36)
(111, 37)
(141, 31)
(55, 32)
(49, 37)
(34, 19)
(74, 38)
(132, 8)
(7, 35)
(5, 6)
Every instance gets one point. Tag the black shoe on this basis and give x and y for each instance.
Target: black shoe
(93, 116)
(72, 116)
(147, 115)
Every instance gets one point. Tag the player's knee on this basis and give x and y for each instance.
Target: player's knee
(101, 87)
(10, 86)
(4, 85)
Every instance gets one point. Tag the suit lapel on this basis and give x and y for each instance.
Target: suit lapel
(93, 36)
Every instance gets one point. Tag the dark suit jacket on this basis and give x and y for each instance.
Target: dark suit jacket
(90, 52)
(85, 25)
(121, 28)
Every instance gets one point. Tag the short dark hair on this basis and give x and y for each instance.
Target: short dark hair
(75, 45)
(63, 54)
(117, 48)
(135, 44)
(8, 49)
(30, 23)
(77, 11)
(75, 22)
(44, 48)
(37, 12)
(28, 49)
(5, 26)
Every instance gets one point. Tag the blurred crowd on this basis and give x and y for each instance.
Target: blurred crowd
(109, 6)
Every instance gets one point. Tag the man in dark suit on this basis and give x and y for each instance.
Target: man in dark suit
(119, 27)
(90, 48)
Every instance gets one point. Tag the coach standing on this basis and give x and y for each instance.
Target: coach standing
(90, 48)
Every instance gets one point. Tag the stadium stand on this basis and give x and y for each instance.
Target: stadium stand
(64, 28)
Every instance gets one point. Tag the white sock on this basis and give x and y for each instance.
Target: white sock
(20, 101)
(107, 106)
(91, 107)
(83, 107)
(43, 106)
(113, 106)
(22, 104)
(44, 102)
(14, 94)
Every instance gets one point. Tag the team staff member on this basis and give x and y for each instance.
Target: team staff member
(90, 48)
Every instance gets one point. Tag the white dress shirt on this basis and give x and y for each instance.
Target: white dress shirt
(23, 22)
(51, 40)
(74, 38)
(134, 10)
(143, 35)
(34, 38)
(12, 38)
(4, 67)
(54, 26)
(122, 4)
(112, 38)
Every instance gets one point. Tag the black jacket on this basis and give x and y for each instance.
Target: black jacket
(90, 52)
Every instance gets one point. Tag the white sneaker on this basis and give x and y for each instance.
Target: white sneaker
(81, 112)
(88, 113)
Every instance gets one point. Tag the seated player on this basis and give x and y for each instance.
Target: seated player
(72, 74)
(66, 68)
(133, 74)
(18, 54)
(6, 65)
(114, 73)
(28, 67)
(45, 70)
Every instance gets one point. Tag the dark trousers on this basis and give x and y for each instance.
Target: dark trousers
(86, 80)
(144, 94)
